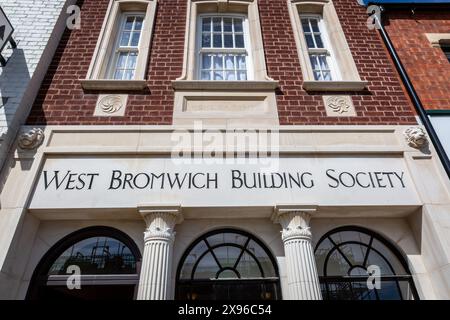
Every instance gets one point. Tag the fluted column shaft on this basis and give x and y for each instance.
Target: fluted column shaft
(302, 277)
(157, 259)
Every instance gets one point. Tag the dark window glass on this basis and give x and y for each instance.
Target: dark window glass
(446, 50)
(346, 259)
(97, 255)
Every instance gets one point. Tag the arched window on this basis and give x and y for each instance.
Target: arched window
(227, 264)
(106, 260)
(356, 264)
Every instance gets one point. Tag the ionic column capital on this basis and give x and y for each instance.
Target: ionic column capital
(160, 221)
(294, 220)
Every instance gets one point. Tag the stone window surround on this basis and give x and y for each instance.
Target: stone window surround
(247, 7)
(95, 79)
(350, 79)
(438, 39)
(220, 102)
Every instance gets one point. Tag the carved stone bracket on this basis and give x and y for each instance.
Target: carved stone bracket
(416, 137)
(31, 139)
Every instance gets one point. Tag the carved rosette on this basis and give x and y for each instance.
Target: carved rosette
(111, 104)
(31, 139)
(416, 137)
(338, 104)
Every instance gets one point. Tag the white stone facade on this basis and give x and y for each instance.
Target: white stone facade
(417, 223)
(38, 27)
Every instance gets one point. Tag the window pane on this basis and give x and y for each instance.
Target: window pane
(248, 268)
(125, 40)
(138, 24)
(217, 40)
(344, 236)
(242, 75)
(227, 256)
(207, 268)
(206, 40)
(206, 24)
(315, 25)
(217, 24)
(355, 253)
(319, 42)
(206, 75)
(305, 25)
(97, 255)
(323, 62)
(206, 62)
(327, 76)
(228, 24)
(135, 39)
(218, 62)
(310, 41)
(131, 64)
(241, 62)
(118, 75)
(317, 75)
(218, 76)
(337, 266)
(238, 27)
(239, 38)
(314, 62)
(129, 23)
(122, 60)
(228, 39)
(389, 291)
(128, 75)
(230, 76)
(229, 62)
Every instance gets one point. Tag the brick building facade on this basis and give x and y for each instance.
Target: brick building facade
(275, 137)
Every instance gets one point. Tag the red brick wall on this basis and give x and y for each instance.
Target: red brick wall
(427, 67)
(62, 100)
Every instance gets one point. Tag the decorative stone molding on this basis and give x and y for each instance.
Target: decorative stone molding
(339, 106)
(31, 139)
(294, 221)
(109, 105)
(298, 250)
(416, 137)
(157, 258)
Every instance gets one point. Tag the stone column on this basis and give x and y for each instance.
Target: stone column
(156, 267)
(302, 277)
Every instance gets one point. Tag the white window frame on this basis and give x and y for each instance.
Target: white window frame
(247, 41)
(328, 48)
(99, 75)
(346, 76)
(117, 48)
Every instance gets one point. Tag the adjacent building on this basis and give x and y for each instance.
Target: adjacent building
(38, 26)
(420, 33)
(210, 149)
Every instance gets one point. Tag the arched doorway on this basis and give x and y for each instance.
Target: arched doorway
(227, 264)
(346, 256)
(107, 260)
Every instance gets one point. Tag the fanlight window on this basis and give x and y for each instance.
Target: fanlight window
(96, 255)
(227, 255)
(347, 257)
